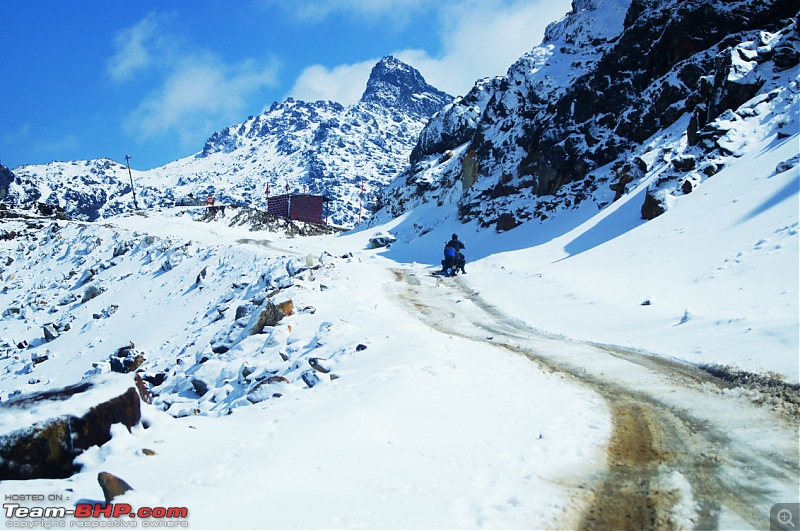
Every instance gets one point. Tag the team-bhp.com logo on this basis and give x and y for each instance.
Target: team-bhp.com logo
(93, 515)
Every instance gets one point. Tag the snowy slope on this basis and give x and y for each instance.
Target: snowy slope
(357, 447)
(715, 284)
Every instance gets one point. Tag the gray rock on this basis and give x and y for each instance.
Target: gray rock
(50, 332)
(319, 364)
(310, 378)
(90, 293)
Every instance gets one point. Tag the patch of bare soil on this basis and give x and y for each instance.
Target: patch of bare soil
(763, 388)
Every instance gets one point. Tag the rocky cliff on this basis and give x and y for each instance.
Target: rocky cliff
(578, 117)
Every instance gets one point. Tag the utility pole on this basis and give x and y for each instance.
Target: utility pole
(127, 161)
(361, 200)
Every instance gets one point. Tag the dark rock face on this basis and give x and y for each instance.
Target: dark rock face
(80, 190)
(47, 449)
(6, 178)
(393, 84)
(685, 39)
(86, 204)
(537, 136)
(456, 123)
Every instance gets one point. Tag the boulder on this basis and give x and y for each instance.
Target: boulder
(266, 389)
(506, 222)
(652, 207)
(269, 316)
(310, 378)
(200, 386)
(90, 293)
(112, 486)
(126, 359)
(285, 306)
(381, 239)
(684, 162)
(50, 331)
(47, 449)
(319, 364)
(39, 357)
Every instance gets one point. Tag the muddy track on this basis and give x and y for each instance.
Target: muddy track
(672, 422)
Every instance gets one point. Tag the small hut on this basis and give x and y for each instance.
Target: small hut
(300, 207)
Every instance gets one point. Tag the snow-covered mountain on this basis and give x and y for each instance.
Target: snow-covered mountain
(595, 369)
(619, 91)
(320, 147)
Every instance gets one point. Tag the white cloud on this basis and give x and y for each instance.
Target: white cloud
(200, 93)
(137, 48)
(396, 11)
(479, 38)
(197, 91)
(483, 38)
(343, 84)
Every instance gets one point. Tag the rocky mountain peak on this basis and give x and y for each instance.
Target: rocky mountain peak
(394, 84)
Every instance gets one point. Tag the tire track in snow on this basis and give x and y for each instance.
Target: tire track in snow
(683, 452)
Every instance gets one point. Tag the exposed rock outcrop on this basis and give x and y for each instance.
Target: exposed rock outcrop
(112, 486)
(47, 449)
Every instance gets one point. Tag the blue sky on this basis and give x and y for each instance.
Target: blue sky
(154, 79)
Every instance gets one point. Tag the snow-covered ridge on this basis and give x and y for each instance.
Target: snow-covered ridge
(317, 147)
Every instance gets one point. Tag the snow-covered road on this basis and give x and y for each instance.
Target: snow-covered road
(686, 450)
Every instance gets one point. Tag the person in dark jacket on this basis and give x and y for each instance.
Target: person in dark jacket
(453, 257)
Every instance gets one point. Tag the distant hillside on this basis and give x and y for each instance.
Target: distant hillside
(320, 147)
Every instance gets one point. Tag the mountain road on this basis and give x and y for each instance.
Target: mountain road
(673, 423)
